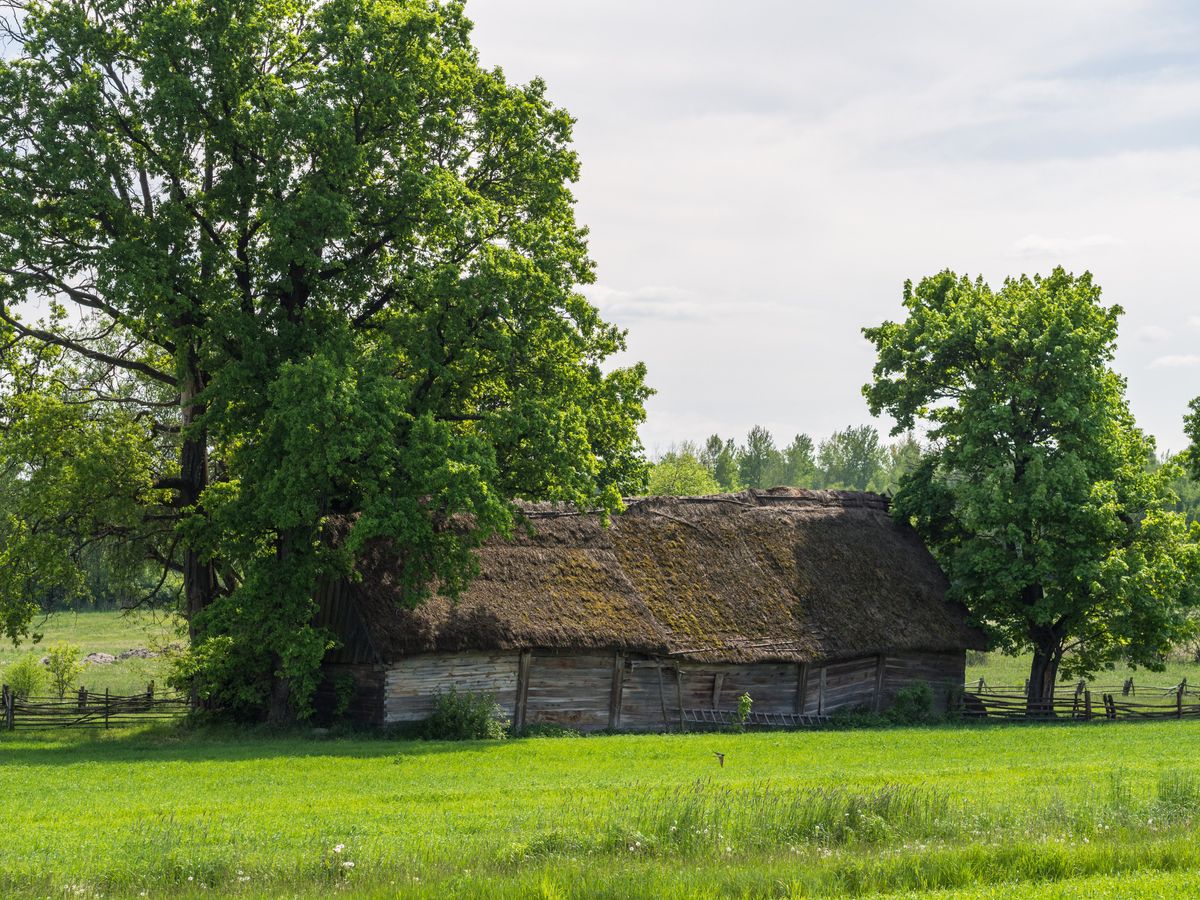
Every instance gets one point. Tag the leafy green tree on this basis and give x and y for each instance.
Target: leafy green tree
(852, 458)
(1036, 495)
(64, 666)
(902, 457)
(679, 473)
(798, 463)
(26, 677)
(759, 459)
(296, 259)
(720, 458)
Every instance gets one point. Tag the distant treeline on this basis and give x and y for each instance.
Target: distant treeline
(856, 459)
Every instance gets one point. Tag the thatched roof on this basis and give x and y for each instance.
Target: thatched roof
(758, 575)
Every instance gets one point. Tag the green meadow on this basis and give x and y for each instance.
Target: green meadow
(1072, 810)
(110, 632)
(1084, 810)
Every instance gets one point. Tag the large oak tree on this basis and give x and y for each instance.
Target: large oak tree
(1037, 493)
(267, 261)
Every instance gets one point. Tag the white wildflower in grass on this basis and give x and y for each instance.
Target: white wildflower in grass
(339, 848)
(347, 865)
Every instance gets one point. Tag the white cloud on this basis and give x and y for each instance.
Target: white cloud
(1180, 361)
(1193, 321)
(1152, 334)
(650, 302)
(1037, 246)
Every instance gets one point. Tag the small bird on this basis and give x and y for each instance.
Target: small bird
(720, 758)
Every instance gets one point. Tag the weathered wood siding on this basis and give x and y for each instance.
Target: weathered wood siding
(943, 672)
(411, 683)
(590, 692)
(574, 691)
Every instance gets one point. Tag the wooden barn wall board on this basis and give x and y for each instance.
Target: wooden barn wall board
(574, 691)
(591, 691)
(412, 683)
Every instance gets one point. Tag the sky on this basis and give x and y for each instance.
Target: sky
(760, 178)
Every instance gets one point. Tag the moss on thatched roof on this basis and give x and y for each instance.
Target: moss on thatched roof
(758, 575)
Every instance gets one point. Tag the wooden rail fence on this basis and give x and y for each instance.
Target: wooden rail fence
(1082, 701)
(86, 709)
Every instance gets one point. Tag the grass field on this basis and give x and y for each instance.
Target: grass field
(990, 811)
(1099, 810)
(105, 632)
(998, 669)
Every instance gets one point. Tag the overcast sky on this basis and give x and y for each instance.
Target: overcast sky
(759, 179)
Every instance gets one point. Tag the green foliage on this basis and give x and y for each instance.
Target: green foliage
(743, 709)
(720, 457)
(798, 465)
(26, 677)
(311, 275)
(344, 687)
(913, 705)
(465, 717)
(758, 460)
(1037, 495)
(679, 473)
(64, 665)
(852, 459)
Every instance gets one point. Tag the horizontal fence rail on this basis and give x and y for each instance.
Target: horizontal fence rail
(85, 709)
(1080, 701)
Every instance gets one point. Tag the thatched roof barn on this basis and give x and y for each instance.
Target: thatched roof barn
(753, 586)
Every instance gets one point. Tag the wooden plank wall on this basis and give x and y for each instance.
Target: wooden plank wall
(595, 691)
(575, 691)
(411, 683)
(941, 671)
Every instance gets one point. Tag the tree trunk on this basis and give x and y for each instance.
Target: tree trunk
(1043, 675)
(279, 712)
(199, 580)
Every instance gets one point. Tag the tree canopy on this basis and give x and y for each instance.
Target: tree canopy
(1038, 492)
(268, 262)
(679, 473)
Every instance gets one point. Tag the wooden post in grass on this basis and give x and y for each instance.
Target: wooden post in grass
(6, 695)
(1179, 699)
(106, 707)
(82, 698)
(1087, 705)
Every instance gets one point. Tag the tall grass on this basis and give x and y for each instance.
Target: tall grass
(848, 813)
(704, 817)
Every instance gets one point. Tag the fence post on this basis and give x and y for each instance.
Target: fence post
(1087, 705)
(106, 707)
(83, 695)
(6, 695)
(1179, 698)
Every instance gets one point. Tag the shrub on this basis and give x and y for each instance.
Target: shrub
(26, 677)
(743, 710)
(913, 705)
(465, 717)
(344, 687)
(64, 665)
